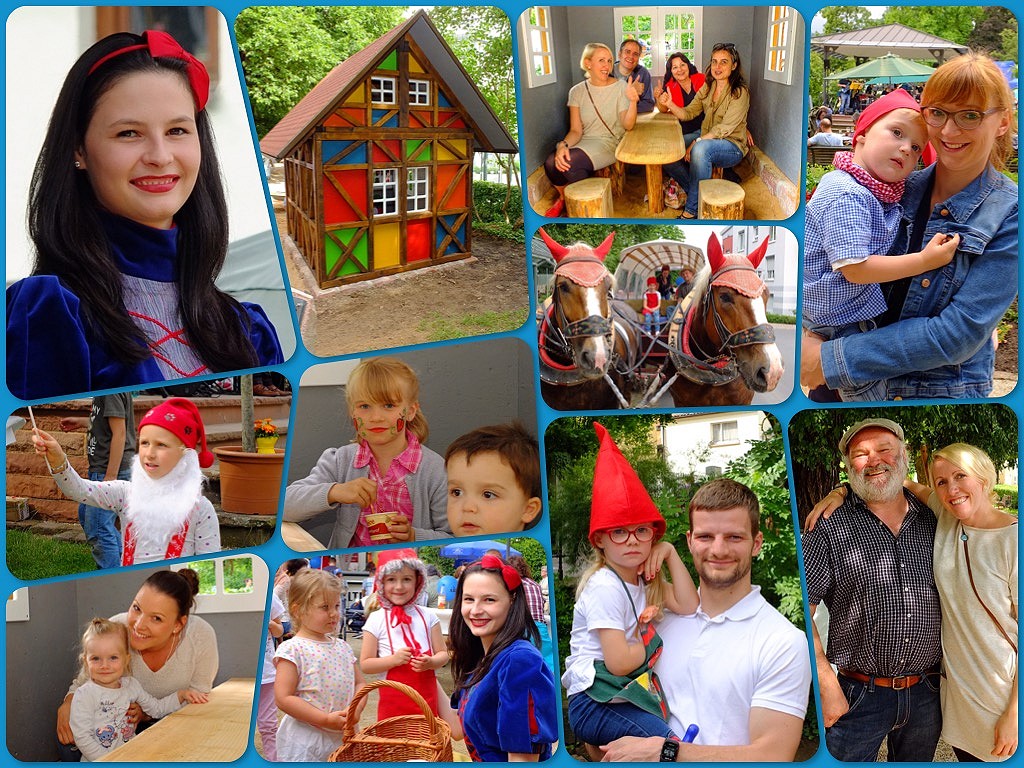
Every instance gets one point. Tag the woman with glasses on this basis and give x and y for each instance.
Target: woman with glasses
(724, 100)
(936, 338)
(601, 109)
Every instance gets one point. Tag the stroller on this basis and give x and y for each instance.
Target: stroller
(354, 616)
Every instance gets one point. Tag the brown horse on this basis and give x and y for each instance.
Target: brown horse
(721, 347)
(585, 338)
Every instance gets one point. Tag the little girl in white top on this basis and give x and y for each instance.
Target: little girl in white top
(100, 706)
(317, 673)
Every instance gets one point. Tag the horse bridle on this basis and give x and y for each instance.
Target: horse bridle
(756, 334)
(589, 327)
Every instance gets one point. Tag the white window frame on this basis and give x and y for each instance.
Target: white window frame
(419, 93)
(17, 605)
(417, 189)
(383, 90)
(539, 46)
(385, 182)
(235, 602)
(659, 50)
(717, 427)
(779, 60)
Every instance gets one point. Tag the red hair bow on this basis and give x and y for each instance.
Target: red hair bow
(509, 574)
(162, 45)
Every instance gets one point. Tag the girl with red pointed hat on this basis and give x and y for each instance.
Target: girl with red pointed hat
(609, 676)
(162, 510)
(402, 640)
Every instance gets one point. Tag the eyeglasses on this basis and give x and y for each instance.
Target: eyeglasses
(641, 533)
(731, 47)
(968, 119)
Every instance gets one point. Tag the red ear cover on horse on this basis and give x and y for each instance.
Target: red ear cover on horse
(602, 250)
(755, 257)
(558, 252)
(715, 256)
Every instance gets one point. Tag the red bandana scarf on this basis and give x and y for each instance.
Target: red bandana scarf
(883, 191)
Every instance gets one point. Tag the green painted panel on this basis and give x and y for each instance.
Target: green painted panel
(391, 62)
(333, 252)
(417, 150)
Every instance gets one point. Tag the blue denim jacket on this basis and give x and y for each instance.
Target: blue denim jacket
(942, 344)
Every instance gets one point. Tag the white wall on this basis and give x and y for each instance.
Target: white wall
(687, 441)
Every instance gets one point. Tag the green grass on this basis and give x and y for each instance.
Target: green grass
(31, 556)
(441, 328)
(781, 319)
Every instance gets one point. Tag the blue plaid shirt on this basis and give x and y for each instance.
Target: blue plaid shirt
(845, 224)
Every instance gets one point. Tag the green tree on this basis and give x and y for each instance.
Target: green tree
(844, 18)
(987, 35)
(286, 50)
(625, 236)
(481, 38)
(954, 23)
(533, 554)
(814, 438)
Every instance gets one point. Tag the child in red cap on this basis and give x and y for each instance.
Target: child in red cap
(613, 647)
(852, 222)
(652, 306)
(162, 510)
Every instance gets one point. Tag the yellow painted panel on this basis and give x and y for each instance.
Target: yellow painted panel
(414, 65)
(386, 252)
(357, 96)
(444, 154)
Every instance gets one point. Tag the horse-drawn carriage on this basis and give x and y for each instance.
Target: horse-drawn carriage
(713, 347)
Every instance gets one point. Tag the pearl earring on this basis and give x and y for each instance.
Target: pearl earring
(77, 164)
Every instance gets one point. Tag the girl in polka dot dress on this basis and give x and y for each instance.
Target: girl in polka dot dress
(317, 673)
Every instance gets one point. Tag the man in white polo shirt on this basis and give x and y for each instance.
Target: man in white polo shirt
(737, 668)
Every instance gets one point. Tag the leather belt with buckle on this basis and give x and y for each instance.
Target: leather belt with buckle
(896, 683)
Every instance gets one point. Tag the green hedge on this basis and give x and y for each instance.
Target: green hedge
(489, 199)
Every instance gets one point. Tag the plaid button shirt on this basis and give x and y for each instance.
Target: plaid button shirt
(535, 600)
(878, 588)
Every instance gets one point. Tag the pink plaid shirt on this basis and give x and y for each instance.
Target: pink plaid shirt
(392, 492)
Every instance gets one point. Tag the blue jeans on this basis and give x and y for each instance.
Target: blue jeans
(704, 155)
(909, 719)
(596, 723)
(100, 531)
(869, 391)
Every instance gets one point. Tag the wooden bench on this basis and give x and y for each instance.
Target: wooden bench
(822, 155)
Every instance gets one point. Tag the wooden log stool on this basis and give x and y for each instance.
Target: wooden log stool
(720, 199)
(589, 199)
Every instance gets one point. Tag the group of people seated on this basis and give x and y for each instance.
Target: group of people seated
(711, 108)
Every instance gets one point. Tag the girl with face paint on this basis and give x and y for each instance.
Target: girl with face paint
(387, 470)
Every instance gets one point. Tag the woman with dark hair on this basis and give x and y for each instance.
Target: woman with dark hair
(504, 692)
(170, 649)
(681, 83)
(129, 221)
(724, 100)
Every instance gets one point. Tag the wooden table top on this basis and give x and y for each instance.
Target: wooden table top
(217, 731)
(296, 537)
(656, 139)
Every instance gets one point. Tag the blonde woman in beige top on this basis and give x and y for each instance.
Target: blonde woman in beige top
(724, 100)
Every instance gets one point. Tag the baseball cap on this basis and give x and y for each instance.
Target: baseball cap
(850, 433)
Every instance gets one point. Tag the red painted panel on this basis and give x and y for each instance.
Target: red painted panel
(443, 116)
(394, 146)
(417, 240)
(336, 208)
(445, 174)
(420, 119)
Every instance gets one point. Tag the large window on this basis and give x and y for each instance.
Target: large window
(779, 62)
(665, 30)
(418, 195)
(725, 432)
(230, 584)
(536, 33)
(385, 192)
(419, 92)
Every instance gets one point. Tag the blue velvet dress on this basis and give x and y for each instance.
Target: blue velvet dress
(513, 709)
(52, 351)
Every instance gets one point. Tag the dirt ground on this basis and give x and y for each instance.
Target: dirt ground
(423, 305)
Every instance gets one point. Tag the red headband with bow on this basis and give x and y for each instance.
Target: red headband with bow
(509, 575)
(162, 45)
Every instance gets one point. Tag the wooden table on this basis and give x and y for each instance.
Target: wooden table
(296, 537)
(217, 731)
(656, 139)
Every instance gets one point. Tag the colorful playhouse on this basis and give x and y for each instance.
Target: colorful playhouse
(378, 158)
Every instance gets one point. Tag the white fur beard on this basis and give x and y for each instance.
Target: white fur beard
(157, 509)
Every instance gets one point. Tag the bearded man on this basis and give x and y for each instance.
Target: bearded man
(870, 563)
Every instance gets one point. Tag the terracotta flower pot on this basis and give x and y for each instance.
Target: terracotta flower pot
(250, 483)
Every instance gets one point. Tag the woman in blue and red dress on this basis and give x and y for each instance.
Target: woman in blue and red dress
(504, 690)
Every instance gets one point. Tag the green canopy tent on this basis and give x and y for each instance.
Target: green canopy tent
(889, 67)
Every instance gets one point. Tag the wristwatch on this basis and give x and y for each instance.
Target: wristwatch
(669, 751)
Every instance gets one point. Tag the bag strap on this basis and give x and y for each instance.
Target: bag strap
(628, 597)
(970, 576)
(598, 113)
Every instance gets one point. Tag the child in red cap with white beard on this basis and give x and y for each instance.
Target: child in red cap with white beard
(162, 510)
(852, 222)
